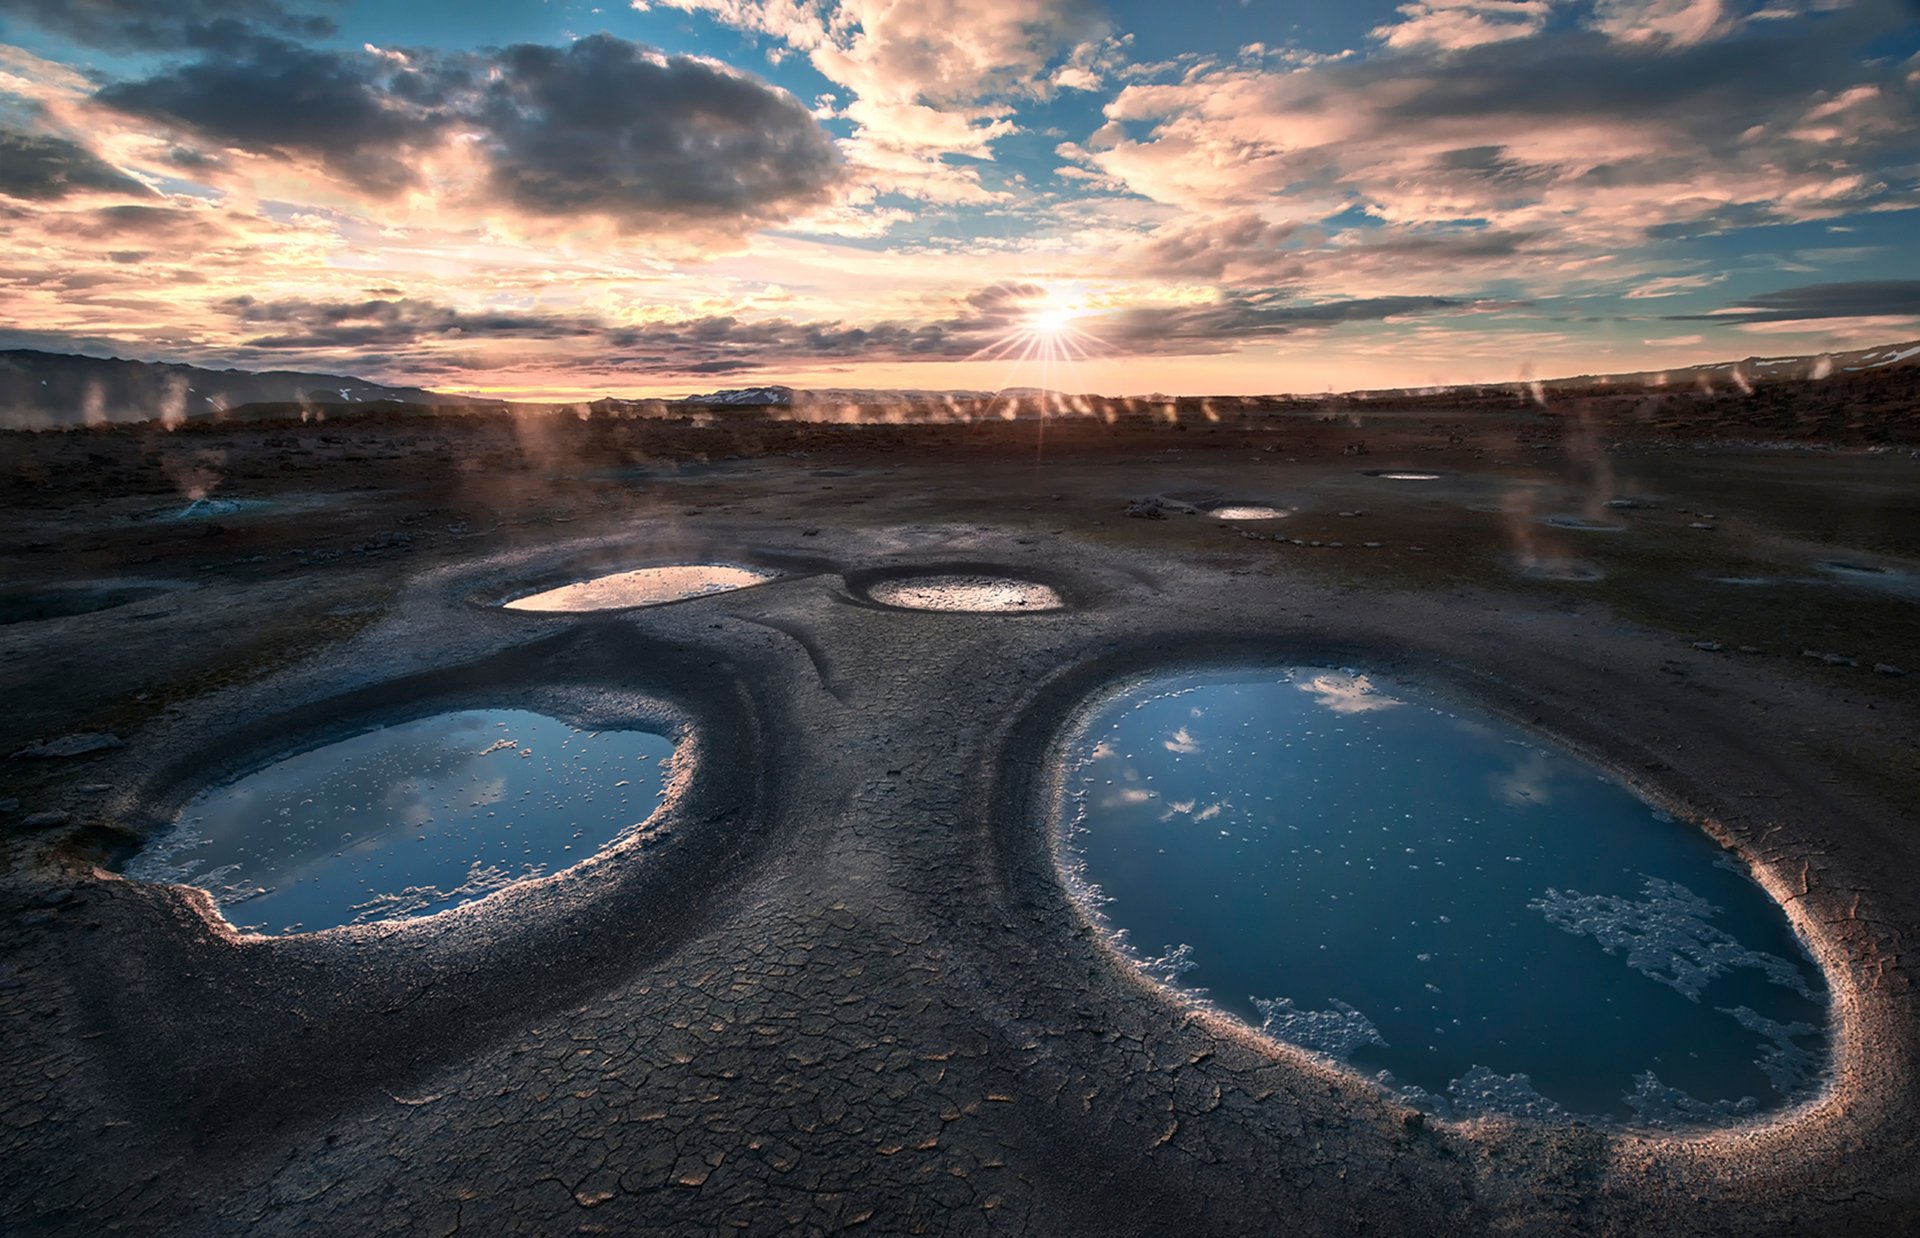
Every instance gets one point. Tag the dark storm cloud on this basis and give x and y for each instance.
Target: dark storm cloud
(274, 97)
(602, 128)
(616, 129)
(1872, 298)
(151, 25)
(41, 167)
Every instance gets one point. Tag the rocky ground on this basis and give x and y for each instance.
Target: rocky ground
(838, 984)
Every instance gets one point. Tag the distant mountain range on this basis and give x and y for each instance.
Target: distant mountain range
(1720, 375)
(60, 389)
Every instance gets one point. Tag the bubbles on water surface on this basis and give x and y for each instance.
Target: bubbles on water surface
(409, 819)
(1484, 922)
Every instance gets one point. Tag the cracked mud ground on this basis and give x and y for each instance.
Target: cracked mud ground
(837, 984)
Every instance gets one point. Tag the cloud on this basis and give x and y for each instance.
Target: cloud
(149, 25)
(1453, 24)
(931, 78)
(1874, 298)
(617, 130)
(603, 129)
(41, 167)
(417, 329)
(387, 323)
(360, 118)
(1598, 140)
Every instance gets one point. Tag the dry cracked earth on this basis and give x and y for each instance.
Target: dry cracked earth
(837, 983)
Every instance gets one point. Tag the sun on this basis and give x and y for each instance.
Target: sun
(1051, 320)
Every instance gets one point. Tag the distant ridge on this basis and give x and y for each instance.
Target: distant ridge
(62, 389)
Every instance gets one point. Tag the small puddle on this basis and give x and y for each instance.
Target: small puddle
(646, 586)
(1873, 577)
(1430, 895)
(408, 819)
(209, 509)
(1246, 511)
(1581, 524)
(1566, 571)
(966, 593)
(1402, 475)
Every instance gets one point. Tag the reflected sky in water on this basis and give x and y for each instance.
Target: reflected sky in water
(1426, 891)
(647, 586)
(409, 819)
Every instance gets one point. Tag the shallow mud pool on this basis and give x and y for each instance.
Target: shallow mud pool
(646, 586)
(408, 819)
(1433, 897)
(966, 593)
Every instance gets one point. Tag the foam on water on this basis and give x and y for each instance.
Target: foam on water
(409, 819)
(1431, 896)
(646, 586)
(967, 593)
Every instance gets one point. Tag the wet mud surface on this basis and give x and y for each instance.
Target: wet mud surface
(838, 982)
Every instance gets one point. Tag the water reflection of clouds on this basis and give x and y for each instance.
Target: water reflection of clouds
(1347, 694)
(1526, 785)
(1182, 742)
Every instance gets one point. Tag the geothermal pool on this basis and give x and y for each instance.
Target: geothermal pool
(1437, 899)
(408, 819)
(968, 593)
(646, 586)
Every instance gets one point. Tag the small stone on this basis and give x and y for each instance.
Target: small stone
(1838, 659)
(46, 820)
(1700, 524)
(95, 788)
(1750, 649)
(1888, 668)
(1373, 545)
(1708, 646)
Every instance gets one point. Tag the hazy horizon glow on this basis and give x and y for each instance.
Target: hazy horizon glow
(561, 201)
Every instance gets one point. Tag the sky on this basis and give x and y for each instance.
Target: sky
(547, 199)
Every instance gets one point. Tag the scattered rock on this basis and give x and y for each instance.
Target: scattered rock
(1146, 509)
(1700, 524)
(1709, 646)
(1888, 668)
(46, 820)
(72, 745)
(1373, 545)
(95, 788)
(1749, 649)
